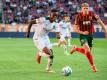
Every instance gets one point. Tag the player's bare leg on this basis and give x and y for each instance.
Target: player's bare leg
(69, 41)
(59, 43)
(64, 44)
(65, 47)
(49, 54)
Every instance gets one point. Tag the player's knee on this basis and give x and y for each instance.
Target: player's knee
(87, 50)
(86, 47)
(51, 56)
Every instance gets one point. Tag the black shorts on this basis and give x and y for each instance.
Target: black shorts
(86, 39)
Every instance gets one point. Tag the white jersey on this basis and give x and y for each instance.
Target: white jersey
(39, 31)
(42, 28)
(40, 38)
(56, 27)
(64, 28)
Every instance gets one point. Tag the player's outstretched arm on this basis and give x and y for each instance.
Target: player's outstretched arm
(75, 26)
(29, 27)
(102, 25)
(76, 29)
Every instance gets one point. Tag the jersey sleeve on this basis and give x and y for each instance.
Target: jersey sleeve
(93, 16)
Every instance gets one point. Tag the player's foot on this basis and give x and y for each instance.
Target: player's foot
(94, 68)
(73, 49)
(38, 58)
(59, 45)
(66, 53)
(50, 71)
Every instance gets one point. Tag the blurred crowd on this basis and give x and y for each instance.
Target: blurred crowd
(22, 11)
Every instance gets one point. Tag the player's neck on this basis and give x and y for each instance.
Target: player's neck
(85, 13)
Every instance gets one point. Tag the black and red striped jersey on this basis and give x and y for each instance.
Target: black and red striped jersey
(85, 22)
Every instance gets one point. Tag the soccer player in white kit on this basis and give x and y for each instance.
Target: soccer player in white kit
(64, 31)
(41, 39)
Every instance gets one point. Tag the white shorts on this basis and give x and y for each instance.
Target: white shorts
(63, 35)
(42, 42)
(62, 38)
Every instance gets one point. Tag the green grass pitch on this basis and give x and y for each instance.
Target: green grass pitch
(17, 61)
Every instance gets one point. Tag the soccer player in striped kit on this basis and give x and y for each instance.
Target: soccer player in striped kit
(84, 27)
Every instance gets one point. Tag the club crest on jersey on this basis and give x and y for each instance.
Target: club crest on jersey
(86, 22)
(90, 18)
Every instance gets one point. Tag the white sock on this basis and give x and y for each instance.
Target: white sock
(65, 48)
(49, 64)
(54, 44)
(69, 42)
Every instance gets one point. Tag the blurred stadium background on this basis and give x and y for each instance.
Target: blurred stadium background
(15, 14)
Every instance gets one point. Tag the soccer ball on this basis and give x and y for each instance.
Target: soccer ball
(66, 71)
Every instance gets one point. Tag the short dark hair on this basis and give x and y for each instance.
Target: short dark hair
(54, 10)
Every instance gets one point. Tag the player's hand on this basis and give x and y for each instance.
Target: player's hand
(85, 33)
(105, 35)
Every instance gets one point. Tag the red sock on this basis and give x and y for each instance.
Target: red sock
(81, 50)
(88, 55)
(90, 58)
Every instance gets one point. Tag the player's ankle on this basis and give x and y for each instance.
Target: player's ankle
(94, 68)
(73, 49)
